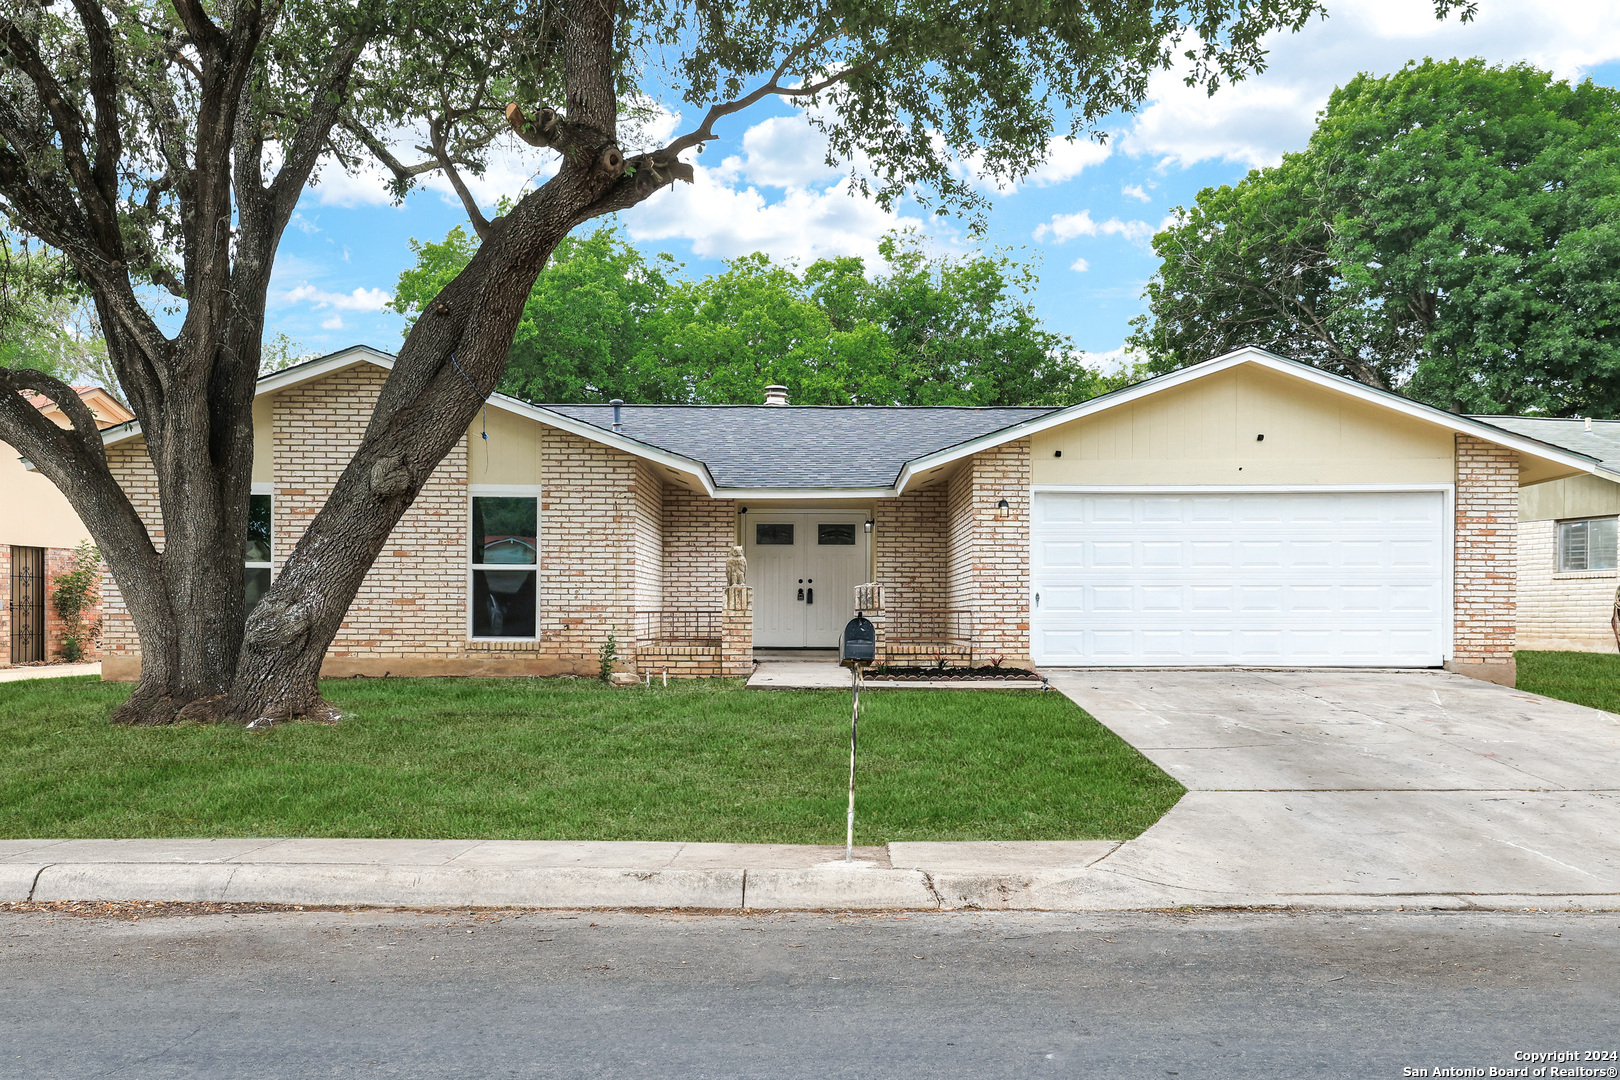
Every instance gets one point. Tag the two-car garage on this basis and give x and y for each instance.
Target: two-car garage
(1215, 576)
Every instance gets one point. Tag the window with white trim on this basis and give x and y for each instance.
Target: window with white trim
(260, 545)
(1587, 544)
(505, 566)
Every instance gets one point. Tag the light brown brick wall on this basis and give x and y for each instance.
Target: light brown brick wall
(587, 547)
(698, 531)
(133, 470)
(413, 601)
(1560, 611)
(1486, 555)
(1001, 555)
(959, 585)
(649, 538)
(909, 541)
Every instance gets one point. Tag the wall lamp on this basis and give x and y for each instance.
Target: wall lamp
(868, 524)
(1002, 510)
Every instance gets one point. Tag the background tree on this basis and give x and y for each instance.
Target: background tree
(46, 321)
(1452, 230)
(603, 321)
(162, 145)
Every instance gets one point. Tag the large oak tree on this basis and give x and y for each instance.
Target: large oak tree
(161, 146)
(1452, 230)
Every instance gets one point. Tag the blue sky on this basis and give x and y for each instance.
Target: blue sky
(1084, 217)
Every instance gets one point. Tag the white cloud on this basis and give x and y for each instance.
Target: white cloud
(783, 151)
(334, 323)
(1253, 122)
(1079, 266)
(1067, 158)
(358, 300)
(1068, 226)
(1134, 191)
(722, 221)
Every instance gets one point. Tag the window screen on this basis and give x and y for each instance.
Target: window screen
(1587, 545)
(838, 534)
(767, 533)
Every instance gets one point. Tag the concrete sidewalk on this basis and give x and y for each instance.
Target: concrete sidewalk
(48, 671)
(1064, 876)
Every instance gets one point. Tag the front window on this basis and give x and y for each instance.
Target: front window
(505, 561)
(257, 556)
(1586, 545)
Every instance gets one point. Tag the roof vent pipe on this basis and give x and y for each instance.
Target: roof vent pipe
(776, 395)
(1588, 423)
(617, 403)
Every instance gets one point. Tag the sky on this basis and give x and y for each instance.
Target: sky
(1084, 218)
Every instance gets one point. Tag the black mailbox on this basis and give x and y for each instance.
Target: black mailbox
(859, 644)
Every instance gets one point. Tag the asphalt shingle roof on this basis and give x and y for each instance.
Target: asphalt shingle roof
(803, 446)
(1602, 442)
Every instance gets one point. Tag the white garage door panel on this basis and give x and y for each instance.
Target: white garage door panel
(1329, 578)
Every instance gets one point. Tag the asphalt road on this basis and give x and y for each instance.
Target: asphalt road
(620, 994)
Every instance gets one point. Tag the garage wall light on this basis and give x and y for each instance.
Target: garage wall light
(1002, 509)
(868, 524)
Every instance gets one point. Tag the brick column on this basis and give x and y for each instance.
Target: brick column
(1001, 554)
(869, 601)
(1485, 563)
(737, 632)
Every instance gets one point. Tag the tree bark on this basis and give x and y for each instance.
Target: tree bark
(451, 361)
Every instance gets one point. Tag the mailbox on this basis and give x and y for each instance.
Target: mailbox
(859, 643)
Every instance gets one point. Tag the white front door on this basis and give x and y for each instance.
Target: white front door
(1330, 578)
(804, 566)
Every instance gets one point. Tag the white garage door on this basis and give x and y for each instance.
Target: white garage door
(1262, 578)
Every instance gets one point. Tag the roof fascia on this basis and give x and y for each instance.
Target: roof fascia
(1251, 355)
(806, 493)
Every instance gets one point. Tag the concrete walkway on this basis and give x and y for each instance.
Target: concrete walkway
(48, 671)
(1354, 788)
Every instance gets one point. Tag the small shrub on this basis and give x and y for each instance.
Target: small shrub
(605, 656)
(73, 593)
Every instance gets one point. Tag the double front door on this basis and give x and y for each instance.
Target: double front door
(804, 566)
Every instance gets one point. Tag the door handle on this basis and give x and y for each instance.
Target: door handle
(801, 594)
(809, 596)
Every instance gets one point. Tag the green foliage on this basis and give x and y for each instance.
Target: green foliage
(74, 593)
(604, 321)
(606, 656)
(1452, 230)
(280, 351)
(570, 759)
(46, 322)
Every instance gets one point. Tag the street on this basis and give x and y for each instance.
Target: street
(629, 994)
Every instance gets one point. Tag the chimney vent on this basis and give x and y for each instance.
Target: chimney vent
(776, 395)
(1588, 423)
(616, 403)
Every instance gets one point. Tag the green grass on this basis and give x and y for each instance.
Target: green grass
(574, 760)
(1584, 678)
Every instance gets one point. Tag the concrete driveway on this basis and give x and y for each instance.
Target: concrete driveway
(1363, 788)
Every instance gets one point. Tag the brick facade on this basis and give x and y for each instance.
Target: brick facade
(909, 555)
(614, 543)
(57, 561)
(1560, 611)
(1485, 561)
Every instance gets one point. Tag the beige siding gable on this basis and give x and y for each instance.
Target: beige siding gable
(511, 454)
(1205, 433)
(1574, 497)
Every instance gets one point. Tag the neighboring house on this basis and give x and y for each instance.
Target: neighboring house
(1567, 557)
(38, 532)
(1246, 511)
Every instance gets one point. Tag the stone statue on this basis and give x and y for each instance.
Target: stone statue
(736, 566)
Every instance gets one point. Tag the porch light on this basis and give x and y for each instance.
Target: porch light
(868, 524)
(1002, 510)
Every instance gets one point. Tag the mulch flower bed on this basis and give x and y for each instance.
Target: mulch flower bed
(937, 674)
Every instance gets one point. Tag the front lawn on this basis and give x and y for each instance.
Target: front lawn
(1584, 678)
(564, 759)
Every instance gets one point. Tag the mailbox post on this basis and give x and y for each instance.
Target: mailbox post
(856, 649)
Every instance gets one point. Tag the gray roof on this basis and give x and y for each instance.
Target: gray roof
(1602, 442)
(801, 446)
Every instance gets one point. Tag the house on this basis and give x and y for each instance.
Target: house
(38, 532)
(1248, 510)
(1567, 576)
